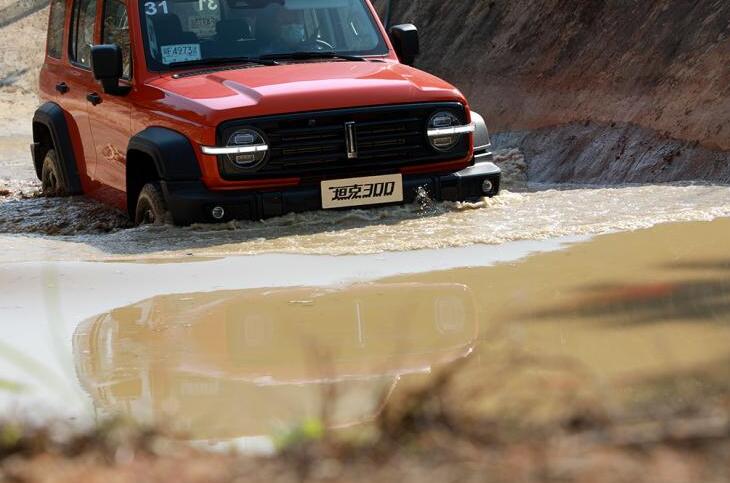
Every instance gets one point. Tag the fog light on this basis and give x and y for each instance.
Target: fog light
(218, 212)
(487, 187)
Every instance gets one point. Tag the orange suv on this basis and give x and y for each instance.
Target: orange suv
(211, 110)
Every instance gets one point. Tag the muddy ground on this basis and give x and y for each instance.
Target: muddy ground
(600, 361)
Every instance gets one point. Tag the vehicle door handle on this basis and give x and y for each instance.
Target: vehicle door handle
(62, 87)
(93, 98)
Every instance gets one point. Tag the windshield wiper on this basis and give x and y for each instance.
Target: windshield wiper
(212, 62)
(312, 55)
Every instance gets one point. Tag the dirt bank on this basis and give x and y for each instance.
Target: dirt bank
(22, 54)
(12, 11)
(659, 67)
(612, 154)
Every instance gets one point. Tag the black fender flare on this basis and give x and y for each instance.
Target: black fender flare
(171, 151)
(172, 155)
(51, 116)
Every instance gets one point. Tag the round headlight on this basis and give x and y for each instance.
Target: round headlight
(243, 138)
(442, 120)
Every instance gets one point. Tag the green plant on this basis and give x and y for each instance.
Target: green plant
(10, 386)
(311, 430)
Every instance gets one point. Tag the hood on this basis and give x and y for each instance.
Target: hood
(257, 91)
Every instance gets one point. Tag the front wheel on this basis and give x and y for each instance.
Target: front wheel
(51, 178)
(151, 206)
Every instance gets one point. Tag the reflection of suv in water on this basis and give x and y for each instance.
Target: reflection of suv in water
(239, 362)
(214, 110)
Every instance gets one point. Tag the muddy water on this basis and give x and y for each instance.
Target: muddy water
(36, 228)
(80, 228)
(228, 350)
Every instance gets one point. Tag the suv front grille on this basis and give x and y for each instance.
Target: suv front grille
(313, 145)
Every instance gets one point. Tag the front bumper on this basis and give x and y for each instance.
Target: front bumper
(191, 202)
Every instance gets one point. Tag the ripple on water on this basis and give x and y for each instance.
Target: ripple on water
(90, 231)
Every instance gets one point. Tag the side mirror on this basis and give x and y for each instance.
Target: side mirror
(405, 41)
(108, 67)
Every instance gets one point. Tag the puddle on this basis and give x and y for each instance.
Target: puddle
(232, 351)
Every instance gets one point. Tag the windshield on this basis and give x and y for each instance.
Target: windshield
(196, 31)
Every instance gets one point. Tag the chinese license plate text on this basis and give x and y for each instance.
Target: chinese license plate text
(362, 191)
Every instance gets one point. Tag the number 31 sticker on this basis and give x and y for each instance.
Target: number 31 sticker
(153, 8)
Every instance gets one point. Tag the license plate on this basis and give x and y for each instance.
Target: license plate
(373, 190)
(180, 53)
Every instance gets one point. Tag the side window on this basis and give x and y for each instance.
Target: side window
(82, 31)
(116, 31)
(56, 27)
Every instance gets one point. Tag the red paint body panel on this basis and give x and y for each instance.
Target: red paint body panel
(195, 105)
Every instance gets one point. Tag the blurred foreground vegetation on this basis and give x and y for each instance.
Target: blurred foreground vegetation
(675, 429)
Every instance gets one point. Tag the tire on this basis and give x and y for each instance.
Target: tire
(151, 206)
(52, 180)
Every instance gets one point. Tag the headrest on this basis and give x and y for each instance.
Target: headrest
(233, 29)
(167, 24)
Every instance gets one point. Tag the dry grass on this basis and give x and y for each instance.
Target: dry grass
(419, 436)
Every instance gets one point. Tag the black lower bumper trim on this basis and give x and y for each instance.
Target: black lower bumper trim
(191, 202)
